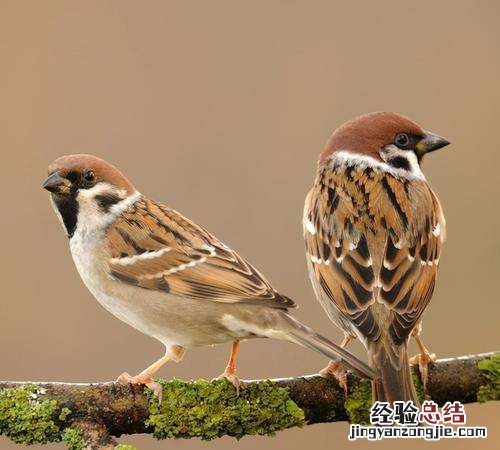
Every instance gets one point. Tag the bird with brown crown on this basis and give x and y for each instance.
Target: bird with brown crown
(373, 230)
(166, 276)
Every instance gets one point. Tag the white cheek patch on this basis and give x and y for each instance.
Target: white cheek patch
(362, 161)
(90, 216)
(392, 152)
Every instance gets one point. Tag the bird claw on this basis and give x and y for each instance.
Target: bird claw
(423, 360)
(233, 379)
(335, 370)
(143, 379)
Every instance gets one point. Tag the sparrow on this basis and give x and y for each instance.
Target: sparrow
(373, 231)
(166, 276)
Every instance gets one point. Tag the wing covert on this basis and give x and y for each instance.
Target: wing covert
(154, 247)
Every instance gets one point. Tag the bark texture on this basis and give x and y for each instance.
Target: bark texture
(94, 413)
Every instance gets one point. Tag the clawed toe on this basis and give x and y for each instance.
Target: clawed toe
(335, 370)
(137, 379)
(233, 379)
(423, 360)
(144, 379)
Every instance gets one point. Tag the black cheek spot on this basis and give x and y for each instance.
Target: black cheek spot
(399, 162)
(106, 201)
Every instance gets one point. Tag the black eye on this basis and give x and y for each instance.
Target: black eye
(89, 176)
(402, 140)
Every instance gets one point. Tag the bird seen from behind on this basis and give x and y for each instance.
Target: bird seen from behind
(373, 230)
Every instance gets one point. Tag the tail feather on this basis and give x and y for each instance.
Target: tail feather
(394, 382)
(306, 337)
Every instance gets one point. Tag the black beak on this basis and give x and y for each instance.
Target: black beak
(431, 142)
(57, 184)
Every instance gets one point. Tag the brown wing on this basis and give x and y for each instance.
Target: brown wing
(339, 256)
(155, 247)
(410, 263)
(371, 243)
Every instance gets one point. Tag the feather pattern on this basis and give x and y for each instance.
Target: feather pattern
(155, 247)
(373, 241)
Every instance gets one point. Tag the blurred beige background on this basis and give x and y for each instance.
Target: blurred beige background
(220, 109)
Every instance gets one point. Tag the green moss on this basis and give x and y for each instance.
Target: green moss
(490, 367)
(25, 419)
(419, 387)
(125, 447)
(73, 438)
(359, 401)
(212, 409)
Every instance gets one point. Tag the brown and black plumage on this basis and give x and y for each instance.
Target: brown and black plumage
(373, 230)
(189, 262)
(166, 276)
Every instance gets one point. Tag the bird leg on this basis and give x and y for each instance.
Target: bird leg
(334, 369)
(424, 358)
(230, 372)
(174, 353)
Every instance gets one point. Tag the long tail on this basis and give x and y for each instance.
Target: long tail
(305, 336)
(395, 381)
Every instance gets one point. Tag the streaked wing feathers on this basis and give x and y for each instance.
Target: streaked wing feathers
(374, 240)
(154, 247)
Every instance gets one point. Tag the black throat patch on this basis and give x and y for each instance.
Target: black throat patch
(68, 208)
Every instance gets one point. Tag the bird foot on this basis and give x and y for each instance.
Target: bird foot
(423, 360)
(335, 370)
(233, 379)
(144, 379)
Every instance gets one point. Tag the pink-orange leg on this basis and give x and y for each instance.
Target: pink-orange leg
(424, 358)
(334, 369)
(230, 372)
(174, 353)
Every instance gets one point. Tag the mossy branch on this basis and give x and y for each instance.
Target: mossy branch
(86, 416)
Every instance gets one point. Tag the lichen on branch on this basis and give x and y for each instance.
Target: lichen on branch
(26, 419)
(88, 416)
(209, 410)
(490, 368)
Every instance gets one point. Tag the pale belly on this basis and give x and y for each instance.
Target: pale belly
(171, 320)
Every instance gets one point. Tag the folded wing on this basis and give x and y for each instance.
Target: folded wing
(164, 251)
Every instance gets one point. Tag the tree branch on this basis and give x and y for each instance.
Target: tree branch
(89, 414)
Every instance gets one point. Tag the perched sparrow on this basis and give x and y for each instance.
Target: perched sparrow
(373, 230)
(163, 274)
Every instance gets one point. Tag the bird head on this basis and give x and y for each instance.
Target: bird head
(386, 137)
(85, 185)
